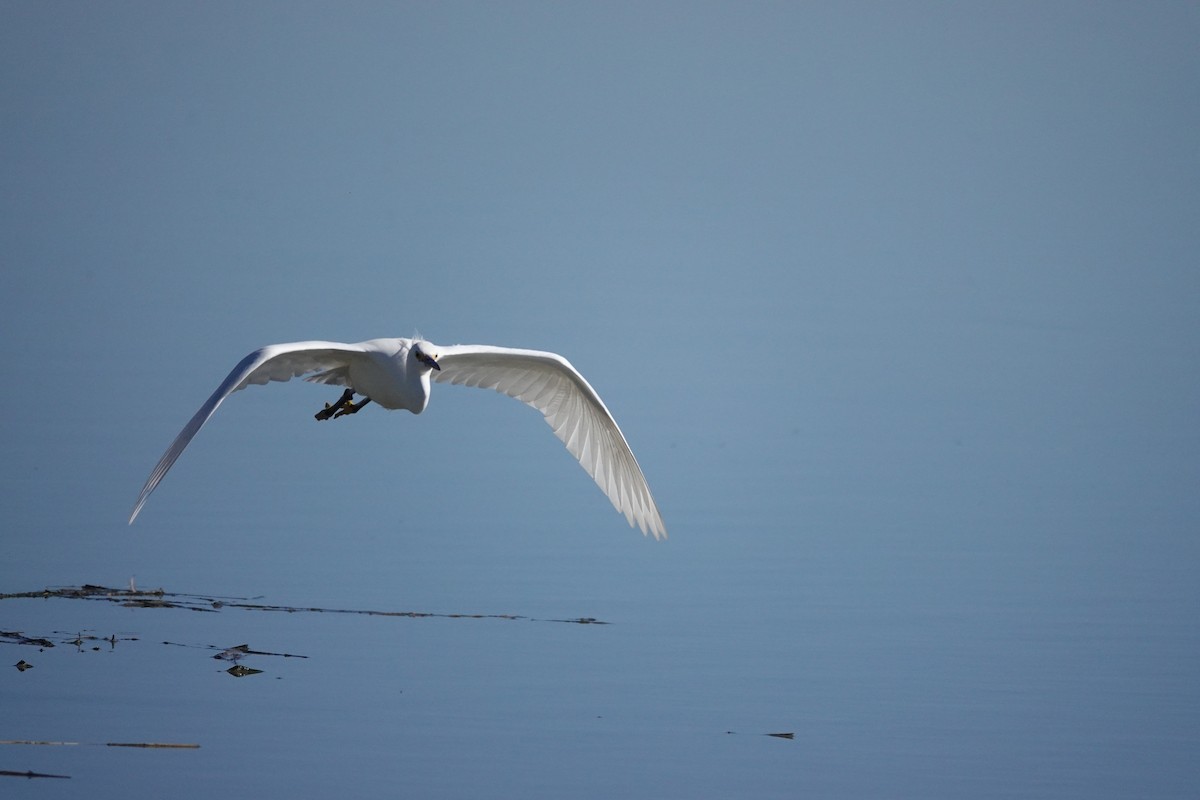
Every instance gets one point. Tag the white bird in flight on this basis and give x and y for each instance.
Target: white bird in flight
(395, 373)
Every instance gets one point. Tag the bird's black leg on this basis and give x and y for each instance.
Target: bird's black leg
(352, 408)
(331, 410)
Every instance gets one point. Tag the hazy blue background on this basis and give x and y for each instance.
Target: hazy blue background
(897, 305)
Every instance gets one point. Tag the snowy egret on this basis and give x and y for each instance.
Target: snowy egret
(395, 373)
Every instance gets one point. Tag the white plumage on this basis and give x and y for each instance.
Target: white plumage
(395, 373)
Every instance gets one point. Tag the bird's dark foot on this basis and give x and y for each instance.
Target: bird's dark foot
(332, 410)
(352, 408)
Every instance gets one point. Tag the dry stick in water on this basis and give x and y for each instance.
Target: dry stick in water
(175, 745)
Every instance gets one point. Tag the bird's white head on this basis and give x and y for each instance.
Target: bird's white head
(426, 354)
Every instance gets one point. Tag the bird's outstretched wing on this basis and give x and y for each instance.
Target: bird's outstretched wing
(573, 410)
(275, 362)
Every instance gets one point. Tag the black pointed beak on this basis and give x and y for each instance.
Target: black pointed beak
(427, 360)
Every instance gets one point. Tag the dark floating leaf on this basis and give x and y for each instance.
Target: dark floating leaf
(238, 671)
(788, 735)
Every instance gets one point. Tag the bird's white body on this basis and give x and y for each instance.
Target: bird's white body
(385, 371)
(396, 374)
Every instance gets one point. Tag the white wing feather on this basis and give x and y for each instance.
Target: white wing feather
(573, 410)
(276, 362)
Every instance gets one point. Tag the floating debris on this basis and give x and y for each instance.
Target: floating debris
(159, 598)
(237, 652)
(234, 654)
(239, 671)
(23, 665)
(79, 641)
(788, 735)
(6, 773)
(16, 637)
(165, 745)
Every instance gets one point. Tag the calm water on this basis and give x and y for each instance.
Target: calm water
(948, 670)
(939, 597)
